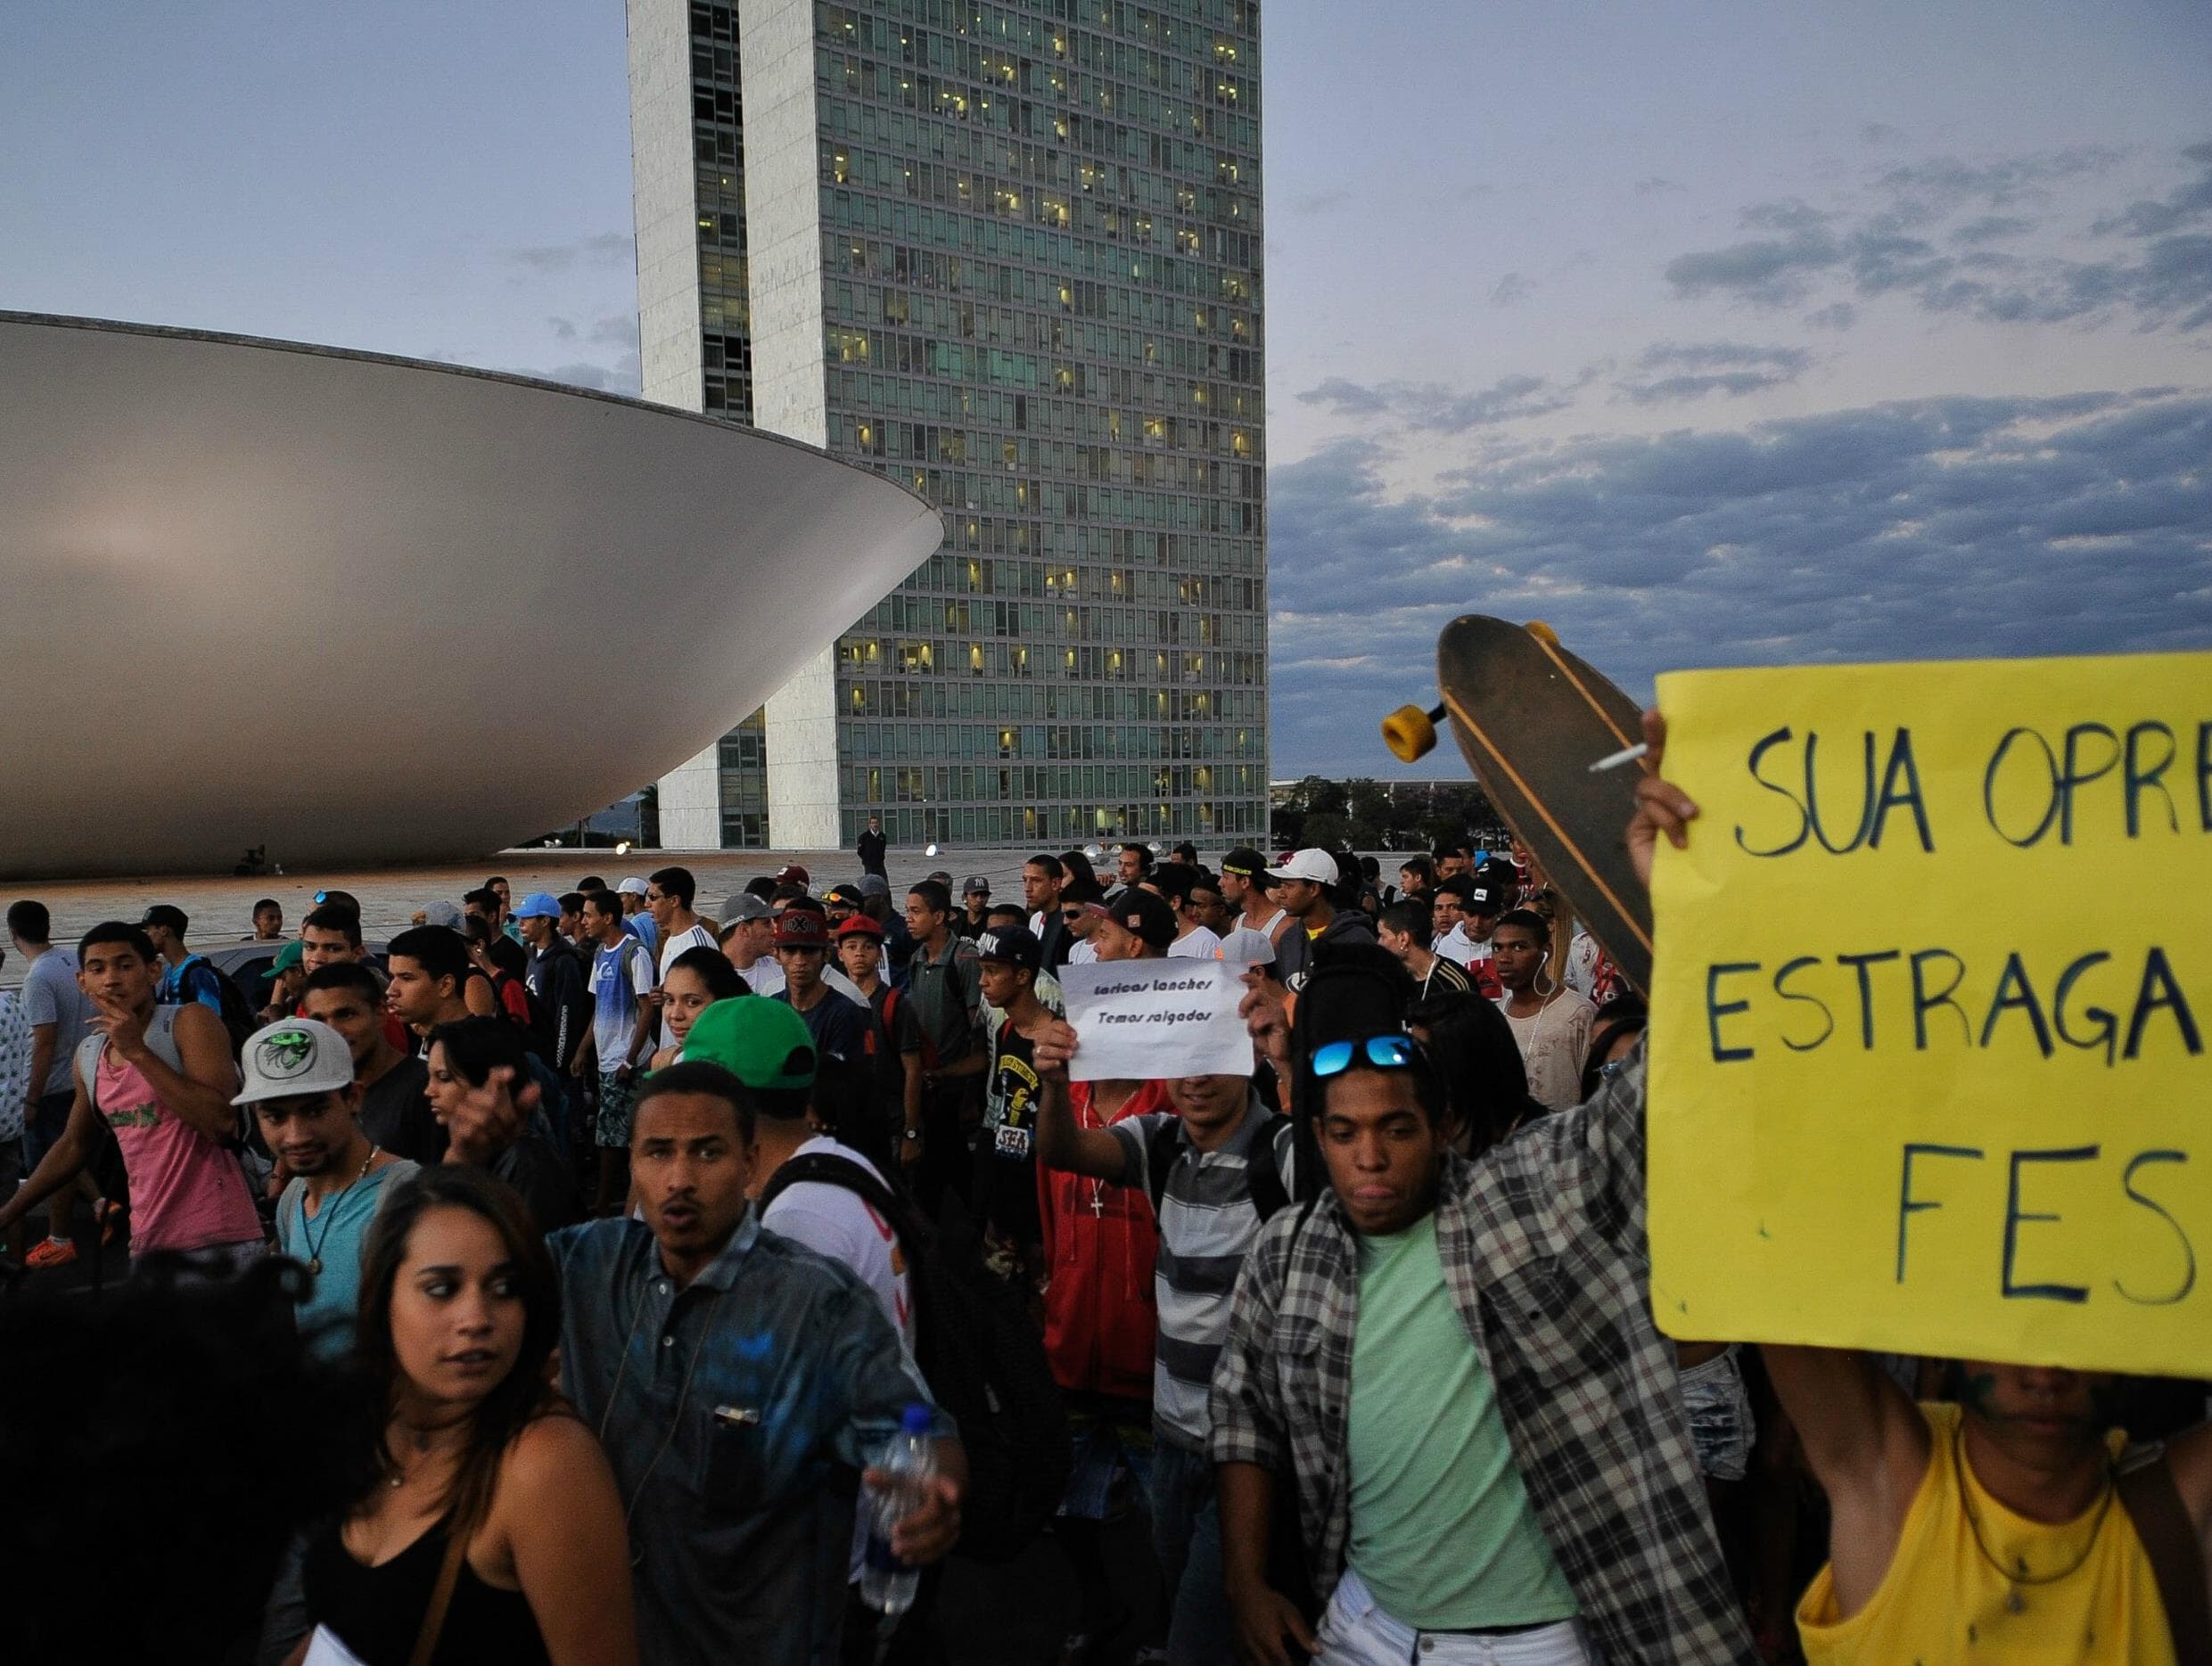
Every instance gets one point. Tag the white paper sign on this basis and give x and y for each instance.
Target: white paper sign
(1137, 1019)
(325, 1649)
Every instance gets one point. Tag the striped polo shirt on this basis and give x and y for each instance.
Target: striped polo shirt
(1206, 1224)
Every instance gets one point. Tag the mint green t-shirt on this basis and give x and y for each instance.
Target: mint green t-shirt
(1442, 1528)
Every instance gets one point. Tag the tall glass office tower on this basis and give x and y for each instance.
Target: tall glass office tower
(1010, 254)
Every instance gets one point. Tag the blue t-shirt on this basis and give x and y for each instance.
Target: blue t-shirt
(614, 995)
(647, 930)
(838, 1024)
(335, 1237)
(193, 979)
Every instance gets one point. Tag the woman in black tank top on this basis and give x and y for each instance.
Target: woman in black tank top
(377, 1611)
(494, 1533)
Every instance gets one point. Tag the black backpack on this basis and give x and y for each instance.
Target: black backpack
(1262, 1173)
(237, 1012)
(982, 1357)
(537, 1027)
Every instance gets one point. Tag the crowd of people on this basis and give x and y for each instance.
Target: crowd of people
(599, 1244)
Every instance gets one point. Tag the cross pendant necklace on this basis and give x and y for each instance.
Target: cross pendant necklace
(1097, 1200)
(315, 1245)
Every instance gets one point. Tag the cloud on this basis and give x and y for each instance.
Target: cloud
(615, 329)
(2154, 269)
(2187, 205)
(1511, 288)
(1992, 227)
(1765, 271)
(1436, 408)
(1937, 528)
(604, 248)
(625, 377)
(1672, 373)
(1652, 183)
(1319, 202)
(1836, 316)
(1944, 184)
(1881, 132)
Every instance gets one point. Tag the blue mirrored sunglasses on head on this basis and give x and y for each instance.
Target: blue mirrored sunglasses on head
(1384, 1053)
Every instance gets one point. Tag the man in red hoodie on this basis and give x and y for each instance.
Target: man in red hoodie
(1100, 1318)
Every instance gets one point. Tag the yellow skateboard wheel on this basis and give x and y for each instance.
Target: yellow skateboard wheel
(1411, 734)
(1544, 632)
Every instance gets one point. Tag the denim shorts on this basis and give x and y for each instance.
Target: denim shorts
(1111, 1435)
(1720, 1416)
(49, 1120)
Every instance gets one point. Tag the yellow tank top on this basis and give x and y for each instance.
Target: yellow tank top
(1941, 1604)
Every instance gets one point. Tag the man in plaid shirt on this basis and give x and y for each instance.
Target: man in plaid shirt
(1457, 1362)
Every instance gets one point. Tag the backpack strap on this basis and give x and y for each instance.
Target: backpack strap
(162, 1036)
(822, 1167)
(1163, 1146)
(290, 1198)
(2154, 1505)
(88, 1052)
(1263, 1170)
(160, 1039)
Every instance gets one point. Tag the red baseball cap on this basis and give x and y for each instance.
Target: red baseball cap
(801, 928)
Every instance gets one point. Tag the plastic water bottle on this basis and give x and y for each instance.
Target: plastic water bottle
(909, 1462)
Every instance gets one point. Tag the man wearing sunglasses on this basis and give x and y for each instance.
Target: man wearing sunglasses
(1080, 919)
(1457, 1362)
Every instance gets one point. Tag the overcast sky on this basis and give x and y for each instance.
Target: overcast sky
(1715, 333)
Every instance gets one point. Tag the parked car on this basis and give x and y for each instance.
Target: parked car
(247, 965)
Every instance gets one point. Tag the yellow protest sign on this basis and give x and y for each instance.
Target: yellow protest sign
(1932, 994)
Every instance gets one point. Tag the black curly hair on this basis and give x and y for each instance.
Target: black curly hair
(192, 1435)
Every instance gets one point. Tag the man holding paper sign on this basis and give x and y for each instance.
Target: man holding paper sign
(1215, 1169)
(1985, 1529)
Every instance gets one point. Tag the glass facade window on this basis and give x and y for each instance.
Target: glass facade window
(1042, 309)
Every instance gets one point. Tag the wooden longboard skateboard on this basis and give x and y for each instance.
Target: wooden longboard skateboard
(1531, 718)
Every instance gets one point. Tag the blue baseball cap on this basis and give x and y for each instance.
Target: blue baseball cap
(539, 904)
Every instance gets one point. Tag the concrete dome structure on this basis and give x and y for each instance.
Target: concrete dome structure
(344, 607)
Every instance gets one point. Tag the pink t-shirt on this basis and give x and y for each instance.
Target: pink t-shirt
(186, 1192)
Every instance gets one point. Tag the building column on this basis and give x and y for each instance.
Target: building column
(662, 181)
(784, 255)
(691, 803)
(802, 759)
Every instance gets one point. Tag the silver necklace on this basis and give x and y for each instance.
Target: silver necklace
(329, 1212)
(2014, 1603)
(676, 1417)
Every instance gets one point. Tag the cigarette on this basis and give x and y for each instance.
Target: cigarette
(1614, 760)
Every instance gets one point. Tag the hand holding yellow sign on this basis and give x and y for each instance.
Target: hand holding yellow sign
(1931, 1003)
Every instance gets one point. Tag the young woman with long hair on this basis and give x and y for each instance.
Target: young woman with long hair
(493, 1532)
(696, 979)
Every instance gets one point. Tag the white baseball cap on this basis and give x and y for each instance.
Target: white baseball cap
(291, 1056)
(632, 887)
(1317, 865)
(1245, 946)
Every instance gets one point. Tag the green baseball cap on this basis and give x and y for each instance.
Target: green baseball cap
(761, 1041)
(287, 957)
